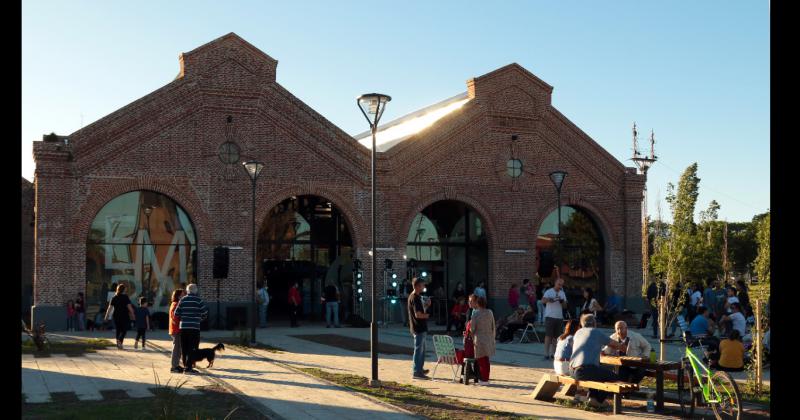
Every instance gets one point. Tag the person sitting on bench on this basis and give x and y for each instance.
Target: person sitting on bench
(637, 347)
(585, 364)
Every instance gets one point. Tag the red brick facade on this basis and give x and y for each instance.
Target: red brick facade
(167, 142)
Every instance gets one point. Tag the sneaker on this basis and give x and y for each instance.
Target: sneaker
(425, 371)
(189, 370)
(422, 376)
(176, 369)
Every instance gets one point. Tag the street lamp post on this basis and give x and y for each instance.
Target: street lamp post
(253, 169)
(558, 179)
(148, 294)
(373, 104)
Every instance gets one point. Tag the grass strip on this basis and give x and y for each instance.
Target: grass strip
(744, 390)
(71, 348)
(214, 403)
(414, 399)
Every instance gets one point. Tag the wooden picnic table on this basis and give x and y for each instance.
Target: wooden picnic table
(659, 367)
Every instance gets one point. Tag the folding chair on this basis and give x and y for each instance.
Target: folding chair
(530, 327)
(445, 353)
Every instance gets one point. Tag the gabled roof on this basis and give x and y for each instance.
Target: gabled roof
(400, 129)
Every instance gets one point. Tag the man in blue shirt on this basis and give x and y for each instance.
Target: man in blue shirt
(710, 299)
(587, 344)
(700, 325)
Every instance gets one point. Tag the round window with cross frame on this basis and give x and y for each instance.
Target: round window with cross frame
(229, 152)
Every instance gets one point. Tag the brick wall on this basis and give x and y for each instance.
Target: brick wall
(167, 142)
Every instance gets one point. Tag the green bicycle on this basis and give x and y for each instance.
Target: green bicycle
(717, 389)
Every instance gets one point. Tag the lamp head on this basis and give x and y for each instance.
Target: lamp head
(558, 178)
(253, 168)
(373, 104)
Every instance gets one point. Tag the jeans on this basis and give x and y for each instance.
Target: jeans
(262, 314)
(293, 314)
(81, 321)
(419, 352)
(595, 373)
(540, 311)
(176, 350)
(70, 322)
(141, 333)
(332, 308)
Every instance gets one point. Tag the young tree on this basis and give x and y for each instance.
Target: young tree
(762, 263)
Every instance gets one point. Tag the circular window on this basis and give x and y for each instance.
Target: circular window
(514, 168)
(229, 152)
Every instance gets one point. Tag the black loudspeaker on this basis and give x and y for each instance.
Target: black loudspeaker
(221, 256)
(546, 264)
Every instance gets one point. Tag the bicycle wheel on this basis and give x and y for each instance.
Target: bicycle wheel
(686, 395)
(726, 392)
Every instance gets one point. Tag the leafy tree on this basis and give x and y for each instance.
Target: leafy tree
(762, 262)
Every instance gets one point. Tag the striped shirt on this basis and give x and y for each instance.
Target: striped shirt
(191, 310)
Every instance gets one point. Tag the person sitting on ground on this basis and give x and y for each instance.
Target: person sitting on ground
(458, 315)
(636, 346)
(587, 344)
(702, 325)
(735, 321)
(564, 348)
(731, 357)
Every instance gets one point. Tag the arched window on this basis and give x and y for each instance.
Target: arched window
(146, 241)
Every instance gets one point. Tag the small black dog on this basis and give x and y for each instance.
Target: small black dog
(208, 354)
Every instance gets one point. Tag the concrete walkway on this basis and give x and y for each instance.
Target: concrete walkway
(280, 392)
(270, 380)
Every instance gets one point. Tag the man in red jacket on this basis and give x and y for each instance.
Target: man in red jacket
(294, 304)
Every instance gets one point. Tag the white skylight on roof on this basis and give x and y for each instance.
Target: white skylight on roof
(405, 127)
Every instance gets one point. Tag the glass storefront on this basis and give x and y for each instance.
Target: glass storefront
(579, 254)
(447, 241)
(144, 240)
(305, 239)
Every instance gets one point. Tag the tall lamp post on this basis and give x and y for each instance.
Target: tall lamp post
(558, 179)
(253, 169)
(373, 104)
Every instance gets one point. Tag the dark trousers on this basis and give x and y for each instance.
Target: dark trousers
(654, 315)
(293, 314)
(140, 333)
(190, 340)
(458, 322)
(121, 326)
(595, 373)
(631, 374)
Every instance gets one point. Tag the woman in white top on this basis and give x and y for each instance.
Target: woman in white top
(564, 348)
(590, 303)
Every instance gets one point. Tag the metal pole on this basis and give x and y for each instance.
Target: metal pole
(559, 213)
(373, 348)
(662, 329)
(758, 346)
(253, 268)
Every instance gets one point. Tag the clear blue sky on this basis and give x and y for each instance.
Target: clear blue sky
(696, 72)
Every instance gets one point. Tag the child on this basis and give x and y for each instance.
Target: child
(142, 322)
(70, 315)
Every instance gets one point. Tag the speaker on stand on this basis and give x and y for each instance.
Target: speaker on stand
(220, 271)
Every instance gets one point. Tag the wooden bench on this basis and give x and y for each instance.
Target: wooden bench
(550, 383)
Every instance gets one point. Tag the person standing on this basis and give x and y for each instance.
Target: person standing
(71, 315)
(480, 290)
(418, 321)
(695, 300)
(710, 300)
(540, 289)
(175, 331)
(80, 311)
(191, 310)
(482, 329)
(294, 304)
(555, 301)
(263, 302)
(331, 300)
(585, 363)
(530, 293)
(405, 291)
(142, 322)
(122, 313)
(513, 297)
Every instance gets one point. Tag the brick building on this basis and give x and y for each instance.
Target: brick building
(26, 266)
(145, 194)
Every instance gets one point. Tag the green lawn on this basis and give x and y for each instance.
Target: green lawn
(414, 399)
(71, 348)
(213, 403)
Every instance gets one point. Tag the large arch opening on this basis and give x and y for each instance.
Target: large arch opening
(447, 240)
(305, 239)
(579, 253)
(142, 239)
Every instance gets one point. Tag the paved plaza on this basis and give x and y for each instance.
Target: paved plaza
(272, 383)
